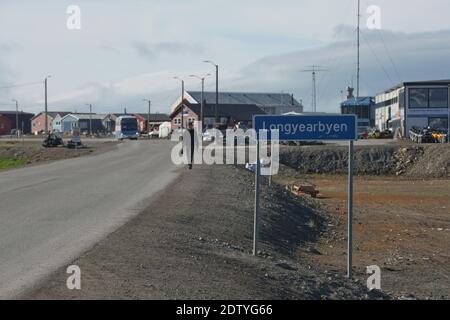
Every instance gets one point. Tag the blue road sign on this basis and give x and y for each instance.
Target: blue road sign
(308, 127)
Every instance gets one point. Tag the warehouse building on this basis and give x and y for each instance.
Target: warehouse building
(24, 119)
(268, 103)
(5, 125)
(413, 104)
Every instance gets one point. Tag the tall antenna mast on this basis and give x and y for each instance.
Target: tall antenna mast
(358, 66)
(314, 70)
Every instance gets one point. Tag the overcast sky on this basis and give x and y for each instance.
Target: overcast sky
(130, 50)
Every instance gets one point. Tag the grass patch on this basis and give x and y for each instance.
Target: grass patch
(7, 163)
(312, 224)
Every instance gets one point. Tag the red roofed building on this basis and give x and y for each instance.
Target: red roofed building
(5, 125)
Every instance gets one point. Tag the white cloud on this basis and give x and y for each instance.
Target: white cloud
(387, 58)
(155, 40)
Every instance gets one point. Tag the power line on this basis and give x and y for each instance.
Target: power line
(380, 33)
(378, 60)
(20, 85)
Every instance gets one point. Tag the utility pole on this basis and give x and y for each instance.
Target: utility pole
(358, 45)
(148, 117)
(182, 100)
(46, 106)
(217, 94)
(90, 119)
(216, 111)
(202, 119)
(17, 117)
(314, 70)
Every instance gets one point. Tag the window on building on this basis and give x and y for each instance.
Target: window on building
(347, 110)
(438, 98)
(363, 124)
(418, 98)
(363, 112)
(438, 123)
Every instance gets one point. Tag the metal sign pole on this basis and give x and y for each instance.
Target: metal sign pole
(350, 211)
(257, 190)
(271, 166)
(448, 115)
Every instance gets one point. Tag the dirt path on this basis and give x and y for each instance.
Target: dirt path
(194, 242)
(401, 225)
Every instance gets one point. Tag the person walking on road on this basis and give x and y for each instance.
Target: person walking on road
(191, 147)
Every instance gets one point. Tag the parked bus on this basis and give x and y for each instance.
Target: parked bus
(127, 128)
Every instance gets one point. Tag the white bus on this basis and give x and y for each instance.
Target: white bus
(127, 128)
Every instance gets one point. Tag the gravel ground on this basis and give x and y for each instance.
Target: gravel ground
(194, 242)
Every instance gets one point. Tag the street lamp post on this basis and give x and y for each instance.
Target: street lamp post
(216, 111)
(202, 119)
(90, 118)
(17, 117)
(148, 118)
(46, 105)
(182, 101)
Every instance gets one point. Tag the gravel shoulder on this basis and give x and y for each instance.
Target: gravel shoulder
(194, 242)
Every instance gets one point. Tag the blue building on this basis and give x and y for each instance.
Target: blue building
(82, 122)
(363, 108)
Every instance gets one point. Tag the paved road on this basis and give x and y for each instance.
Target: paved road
(50, 214)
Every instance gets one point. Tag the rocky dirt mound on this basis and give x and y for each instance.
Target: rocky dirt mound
(434, 163)
(416, 161)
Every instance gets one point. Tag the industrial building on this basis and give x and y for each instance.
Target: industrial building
(5, 125)
(413, 104)
(23, 119)
(268, 103)
(362, 107)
